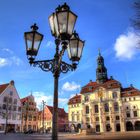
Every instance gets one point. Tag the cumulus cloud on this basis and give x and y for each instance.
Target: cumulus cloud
(126, 45)
(10, 61)
(70, 86)
(3, 62)
(40, 96)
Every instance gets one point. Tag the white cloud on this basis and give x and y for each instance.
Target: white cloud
(15, 60)
(70, 86)
(126, 45)
(40, 96)
(10, 61)
(3, 62)
(50, 44)
(7, 50)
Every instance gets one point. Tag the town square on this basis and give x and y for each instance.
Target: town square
(70, 70)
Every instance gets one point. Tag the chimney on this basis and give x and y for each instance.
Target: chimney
(111, 77)
(90, 81)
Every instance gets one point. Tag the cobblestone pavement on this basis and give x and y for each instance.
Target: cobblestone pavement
(69, 136)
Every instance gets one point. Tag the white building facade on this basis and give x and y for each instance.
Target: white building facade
(10, 108)
(105, 105)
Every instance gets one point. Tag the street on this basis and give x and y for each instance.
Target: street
(69, 136)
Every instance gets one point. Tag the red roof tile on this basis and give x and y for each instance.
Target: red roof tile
(130, 91)
(92, 86)
(61, 111)
(3, 87)
(74, 100)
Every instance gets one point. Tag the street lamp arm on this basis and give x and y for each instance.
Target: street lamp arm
(49, 65)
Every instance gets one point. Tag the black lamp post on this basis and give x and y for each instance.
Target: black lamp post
(62, 23)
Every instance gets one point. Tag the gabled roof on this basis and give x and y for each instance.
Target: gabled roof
(3, 87)
(74, 100)
(130, 91)
(61, 111)
(92, 86)
(24, 99)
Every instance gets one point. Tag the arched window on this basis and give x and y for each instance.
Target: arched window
(87, 109)
(106, 107)
(116, 106)
(114, 95)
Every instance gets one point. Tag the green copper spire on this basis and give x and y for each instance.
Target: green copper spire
(101, 71)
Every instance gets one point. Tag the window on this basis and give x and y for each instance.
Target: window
(107, 118)
(5, 99)
(9, 108)
(4, 106)
(11, 93)
(106, 107)
(135, 113)
(87, 109)
(14, 108)
(10, 100)
(96, 108)
(72, 117)
(15, 101)
(86, 99)
(34, 118)
(87, 119)
(129, 99)
(114, 95)
(14, 116)
(19, 108)
(125, 99)
(128, 114)
(30, 117)
(108, 127)
(78, 117)
(134, 98)
(116, 106)
(117, 117)
(97, 119)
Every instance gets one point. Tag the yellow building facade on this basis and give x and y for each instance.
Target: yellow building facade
(104, 105)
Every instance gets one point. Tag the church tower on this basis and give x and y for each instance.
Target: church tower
(101, 71)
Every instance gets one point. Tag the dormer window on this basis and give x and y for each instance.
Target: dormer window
(114, 95)
(86, 98)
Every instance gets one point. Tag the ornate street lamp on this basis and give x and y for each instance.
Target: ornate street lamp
(62, 23)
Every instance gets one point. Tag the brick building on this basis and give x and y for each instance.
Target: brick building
(48, 113)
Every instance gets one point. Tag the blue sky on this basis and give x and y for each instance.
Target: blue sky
(102, 24)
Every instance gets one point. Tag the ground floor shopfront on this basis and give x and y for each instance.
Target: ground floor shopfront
(10, 128)
(107, 127)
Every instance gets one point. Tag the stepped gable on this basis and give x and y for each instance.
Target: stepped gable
(92, 86)
(74, 100)
(130, 91)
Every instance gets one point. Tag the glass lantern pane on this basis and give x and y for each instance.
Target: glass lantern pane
(62, 21)
(37, 41)
(69, 54)
(29, 40)
(73, 48)
(80, 48)
(51, 21)
(56, 25)
(71, 22)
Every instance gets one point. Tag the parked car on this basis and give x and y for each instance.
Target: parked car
(30, 131)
